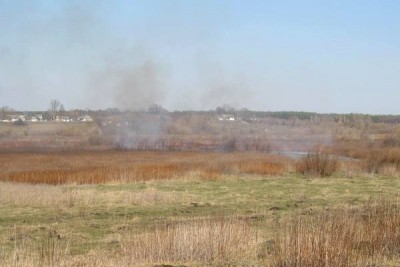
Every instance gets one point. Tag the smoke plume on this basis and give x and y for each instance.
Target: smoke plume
(130, 87)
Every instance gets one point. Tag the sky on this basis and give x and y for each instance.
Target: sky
(334, 56)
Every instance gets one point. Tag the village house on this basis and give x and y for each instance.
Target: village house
(16, 117)
(63, 119)
(226, 117)
(36, 118)
(85, 118)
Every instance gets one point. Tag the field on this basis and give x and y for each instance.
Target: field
(189, 208)
(177, 192)
(199, 133)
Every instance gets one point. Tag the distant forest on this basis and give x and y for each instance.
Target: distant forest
(243, 113)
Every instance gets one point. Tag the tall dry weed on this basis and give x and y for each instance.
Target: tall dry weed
(208, 241)
(382, 161)
(49, 249)
(343, 237)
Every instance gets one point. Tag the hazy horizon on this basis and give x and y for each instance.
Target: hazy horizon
(313, 56)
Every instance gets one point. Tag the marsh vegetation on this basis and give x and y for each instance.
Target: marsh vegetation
(193, 203)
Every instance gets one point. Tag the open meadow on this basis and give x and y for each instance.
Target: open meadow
(144, 208)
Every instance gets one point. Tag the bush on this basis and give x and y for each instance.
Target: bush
(230, 145)
(19, 122)
(318, 163)
(96, 140)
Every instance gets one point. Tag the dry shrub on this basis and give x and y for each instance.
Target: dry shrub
(318, 163)
(222, 240)
(340, 238)
(382, 161)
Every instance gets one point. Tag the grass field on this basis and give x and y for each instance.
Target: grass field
(235, 213)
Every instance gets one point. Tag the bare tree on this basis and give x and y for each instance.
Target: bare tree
(61, 110)
(156, 109)
(4, 111)
(55, 107)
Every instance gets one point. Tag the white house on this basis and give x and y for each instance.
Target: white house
(226, 117)
(63, 119)
(85, 118)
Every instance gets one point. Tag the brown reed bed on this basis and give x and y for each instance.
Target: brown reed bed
(381, 160)
(132, 166)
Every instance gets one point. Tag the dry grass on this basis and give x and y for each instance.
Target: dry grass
(377, 159)
(113, 166)
(66, 197)
(48, 250)
(379, 153)
(352, 168)
(368, 236)
(382, 161)
(211, 241)
(343, 237)
(263, 168)
(222, 240)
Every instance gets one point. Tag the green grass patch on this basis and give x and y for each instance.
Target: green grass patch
(100, 213)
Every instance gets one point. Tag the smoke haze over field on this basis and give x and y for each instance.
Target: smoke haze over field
(331, 56)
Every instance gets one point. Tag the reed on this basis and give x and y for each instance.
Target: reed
(122, 167)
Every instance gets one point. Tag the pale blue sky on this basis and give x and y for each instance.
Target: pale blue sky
(323, 56)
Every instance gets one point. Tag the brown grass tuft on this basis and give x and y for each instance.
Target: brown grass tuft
(222, 240)
(340, 238)
(382, 161)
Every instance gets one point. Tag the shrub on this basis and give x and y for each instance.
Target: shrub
(318, 163)
(96, 140)
(20, 122)
(230, 145)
